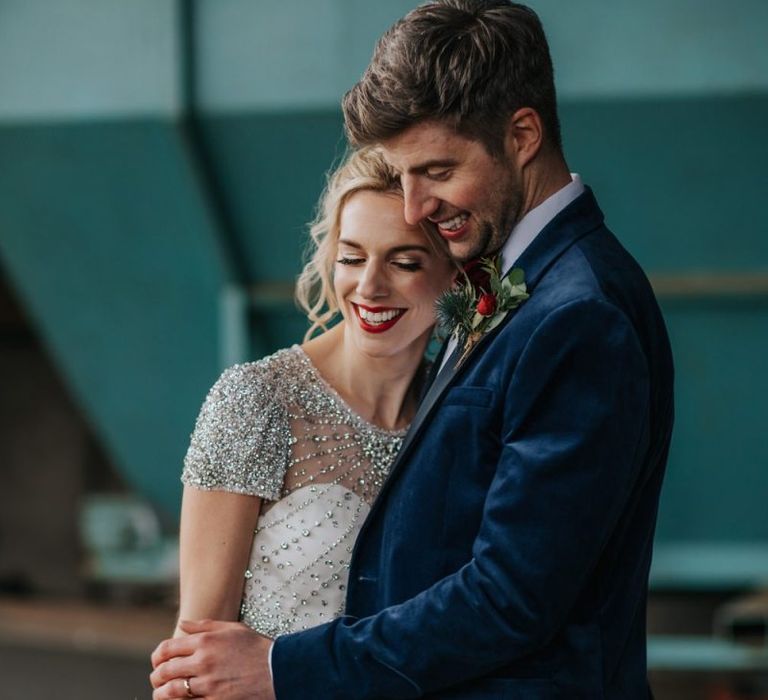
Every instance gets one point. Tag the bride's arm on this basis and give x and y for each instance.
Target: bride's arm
(215, 540)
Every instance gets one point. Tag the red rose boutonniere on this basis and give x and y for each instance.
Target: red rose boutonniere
(480, 301)
(486, 305)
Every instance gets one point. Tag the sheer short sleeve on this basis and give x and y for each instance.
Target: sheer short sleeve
(241, 441)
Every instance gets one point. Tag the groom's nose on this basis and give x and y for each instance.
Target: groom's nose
(419, 203)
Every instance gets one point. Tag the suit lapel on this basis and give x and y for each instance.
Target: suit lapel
(433, 371)
(434, 392)
(575, 221)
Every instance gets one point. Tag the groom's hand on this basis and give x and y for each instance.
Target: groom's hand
(219, 661)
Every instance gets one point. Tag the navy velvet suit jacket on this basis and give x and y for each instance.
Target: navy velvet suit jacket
(507, 555)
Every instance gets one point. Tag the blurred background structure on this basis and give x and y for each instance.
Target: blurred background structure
(159, 160)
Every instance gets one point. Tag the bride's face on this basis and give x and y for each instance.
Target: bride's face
(387, 276)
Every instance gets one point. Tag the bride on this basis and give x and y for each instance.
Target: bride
(289, 452)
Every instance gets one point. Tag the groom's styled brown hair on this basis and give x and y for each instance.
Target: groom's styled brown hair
(468, 63)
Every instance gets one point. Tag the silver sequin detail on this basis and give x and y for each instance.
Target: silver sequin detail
(276, 430)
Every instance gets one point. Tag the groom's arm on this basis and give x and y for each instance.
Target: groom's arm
(574, 432)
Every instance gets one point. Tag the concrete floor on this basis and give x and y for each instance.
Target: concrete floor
(86, 651)
(40, 674)
(72, 650)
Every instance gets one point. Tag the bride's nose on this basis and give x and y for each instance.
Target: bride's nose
(372, 283)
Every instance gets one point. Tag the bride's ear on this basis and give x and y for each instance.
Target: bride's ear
(524, 136)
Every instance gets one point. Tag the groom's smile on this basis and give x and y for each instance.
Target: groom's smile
(454, 228)
(452, 182)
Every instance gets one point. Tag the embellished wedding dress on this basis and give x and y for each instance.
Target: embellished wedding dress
(275, 429)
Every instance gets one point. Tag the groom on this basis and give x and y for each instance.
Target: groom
(507, 555)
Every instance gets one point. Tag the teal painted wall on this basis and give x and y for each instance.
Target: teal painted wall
(106, 230)
(681, 179)
(112, 254)
(679, 202)
(85, 59)
(118, 246)
(271, 169)
(717, 480)
(300, 55)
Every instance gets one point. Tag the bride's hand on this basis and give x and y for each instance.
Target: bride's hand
(218, 661)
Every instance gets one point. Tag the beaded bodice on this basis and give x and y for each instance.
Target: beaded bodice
(275, 429)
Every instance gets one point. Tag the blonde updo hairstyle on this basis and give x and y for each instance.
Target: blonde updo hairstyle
(362, 170)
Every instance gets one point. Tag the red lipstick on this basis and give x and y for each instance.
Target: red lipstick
(379, 327)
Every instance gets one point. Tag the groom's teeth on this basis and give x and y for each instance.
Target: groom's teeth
(455, 223)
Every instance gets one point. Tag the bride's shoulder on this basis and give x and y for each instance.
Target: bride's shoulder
(272, 377)
(241, 440)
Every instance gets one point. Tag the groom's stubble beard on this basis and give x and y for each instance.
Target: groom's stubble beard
(495, 230)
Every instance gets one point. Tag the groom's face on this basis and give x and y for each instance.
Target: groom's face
(453, 183)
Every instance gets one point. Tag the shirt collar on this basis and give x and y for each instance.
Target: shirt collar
(535, 220)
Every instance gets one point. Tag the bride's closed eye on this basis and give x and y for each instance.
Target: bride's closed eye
(408, 265)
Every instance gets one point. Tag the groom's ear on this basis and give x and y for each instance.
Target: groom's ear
(524, 136)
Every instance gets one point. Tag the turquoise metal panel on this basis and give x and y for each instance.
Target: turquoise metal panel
(704, 655)
(80, 59)
(104, 235)
(683, 185)
(678, 192)
(267, 56)
(717, 483)
(681, 196)
(270, 168)
(682, 181)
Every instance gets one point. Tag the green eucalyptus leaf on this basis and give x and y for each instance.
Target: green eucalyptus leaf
(495, 321)
(516, 276)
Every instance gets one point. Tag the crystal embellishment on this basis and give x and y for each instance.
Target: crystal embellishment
(275, 429)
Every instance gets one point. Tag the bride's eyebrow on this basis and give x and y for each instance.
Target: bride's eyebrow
(391, 251)
(408, 248)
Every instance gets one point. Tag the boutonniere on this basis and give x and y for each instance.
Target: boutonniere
(468, 311)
